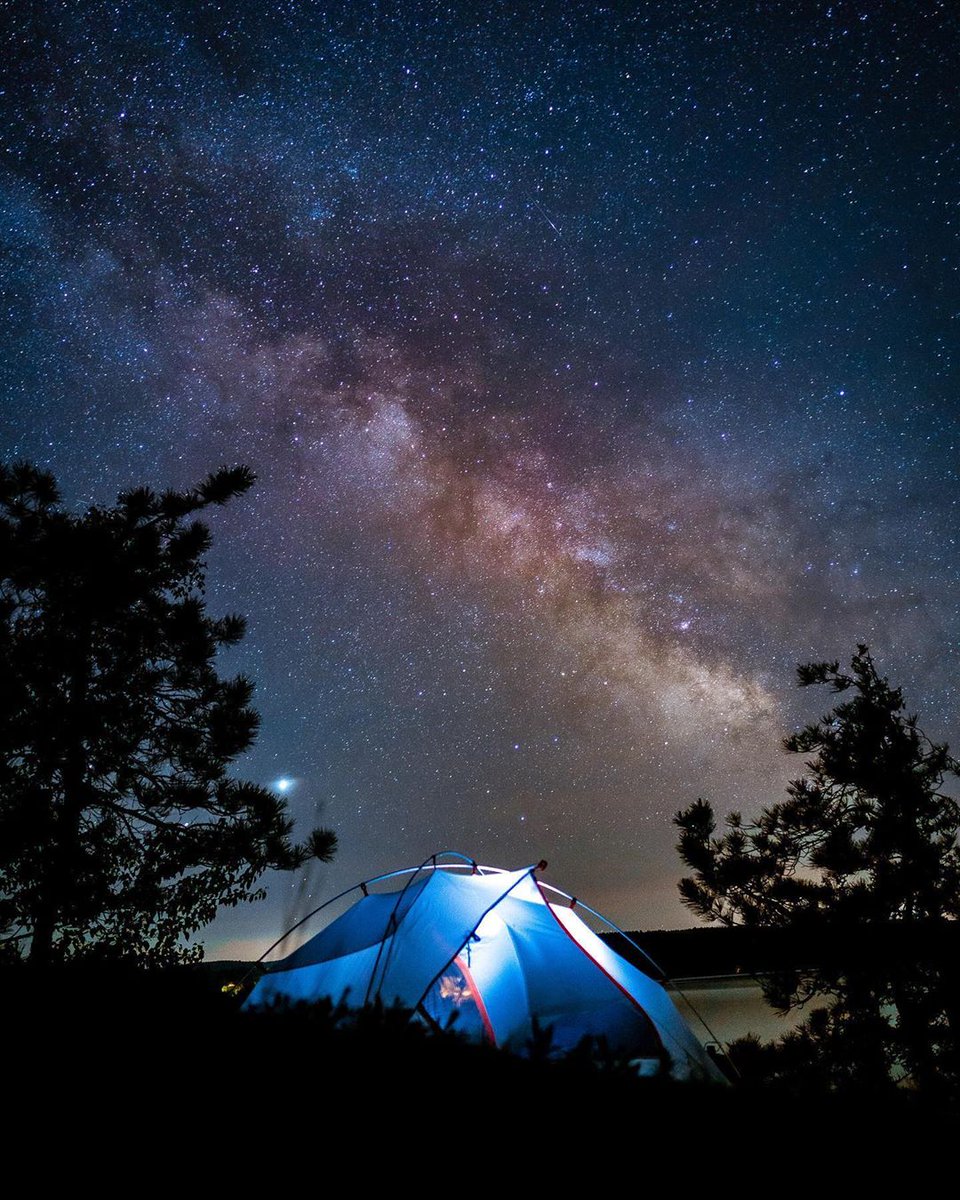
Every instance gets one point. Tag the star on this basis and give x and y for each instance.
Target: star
(533, 332)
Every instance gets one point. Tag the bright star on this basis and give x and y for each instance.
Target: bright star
(284, 784)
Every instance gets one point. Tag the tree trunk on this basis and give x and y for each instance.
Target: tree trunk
(41, 943)
(64, 852)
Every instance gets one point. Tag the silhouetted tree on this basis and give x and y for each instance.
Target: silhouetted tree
(120, 831)
(862, 855)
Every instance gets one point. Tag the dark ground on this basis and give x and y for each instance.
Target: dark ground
(149, 1068)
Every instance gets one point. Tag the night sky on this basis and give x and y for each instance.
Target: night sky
(598, 364)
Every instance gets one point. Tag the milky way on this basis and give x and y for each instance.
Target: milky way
(597, 366)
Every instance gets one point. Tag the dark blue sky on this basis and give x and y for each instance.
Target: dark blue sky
(598, 365)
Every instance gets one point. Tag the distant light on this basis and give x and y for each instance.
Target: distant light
(284, 785)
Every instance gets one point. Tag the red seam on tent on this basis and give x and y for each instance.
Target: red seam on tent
(475, 992)
(603, 970)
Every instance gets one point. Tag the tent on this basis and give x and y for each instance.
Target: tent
(485, 951)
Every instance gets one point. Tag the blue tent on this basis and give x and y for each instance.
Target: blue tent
(488, 953)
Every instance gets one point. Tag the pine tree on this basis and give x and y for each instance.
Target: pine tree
(121, 832)
(863, 854)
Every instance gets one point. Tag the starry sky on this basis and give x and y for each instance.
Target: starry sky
(597, 363)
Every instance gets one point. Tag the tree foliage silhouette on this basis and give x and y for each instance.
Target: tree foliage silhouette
(120, 830)
(863, 854)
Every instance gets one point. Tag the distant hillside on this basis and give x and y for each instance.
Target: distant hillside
(686, 953)
(717, 951)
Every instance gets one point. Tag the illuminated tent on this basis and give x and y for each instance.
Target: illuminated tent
(487, 953)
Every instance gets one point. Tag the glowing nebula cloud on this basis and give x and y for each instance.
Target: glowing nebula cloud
(596, 369)
(471, 501)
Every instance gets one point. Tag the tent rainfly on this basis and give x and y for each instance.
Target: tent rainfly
(487, 953)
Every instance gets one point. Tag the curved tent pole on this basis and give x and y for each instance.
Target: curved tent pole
(575, 903)
(392, 929)
(428, 864)
(660, 1032)
(529, 872)
(486, 911)
(303, 920)
(365, 883)
(431, 864)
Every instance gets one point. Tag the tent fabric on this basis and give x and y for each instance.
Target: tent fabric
(361, 953)
(489, 956)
